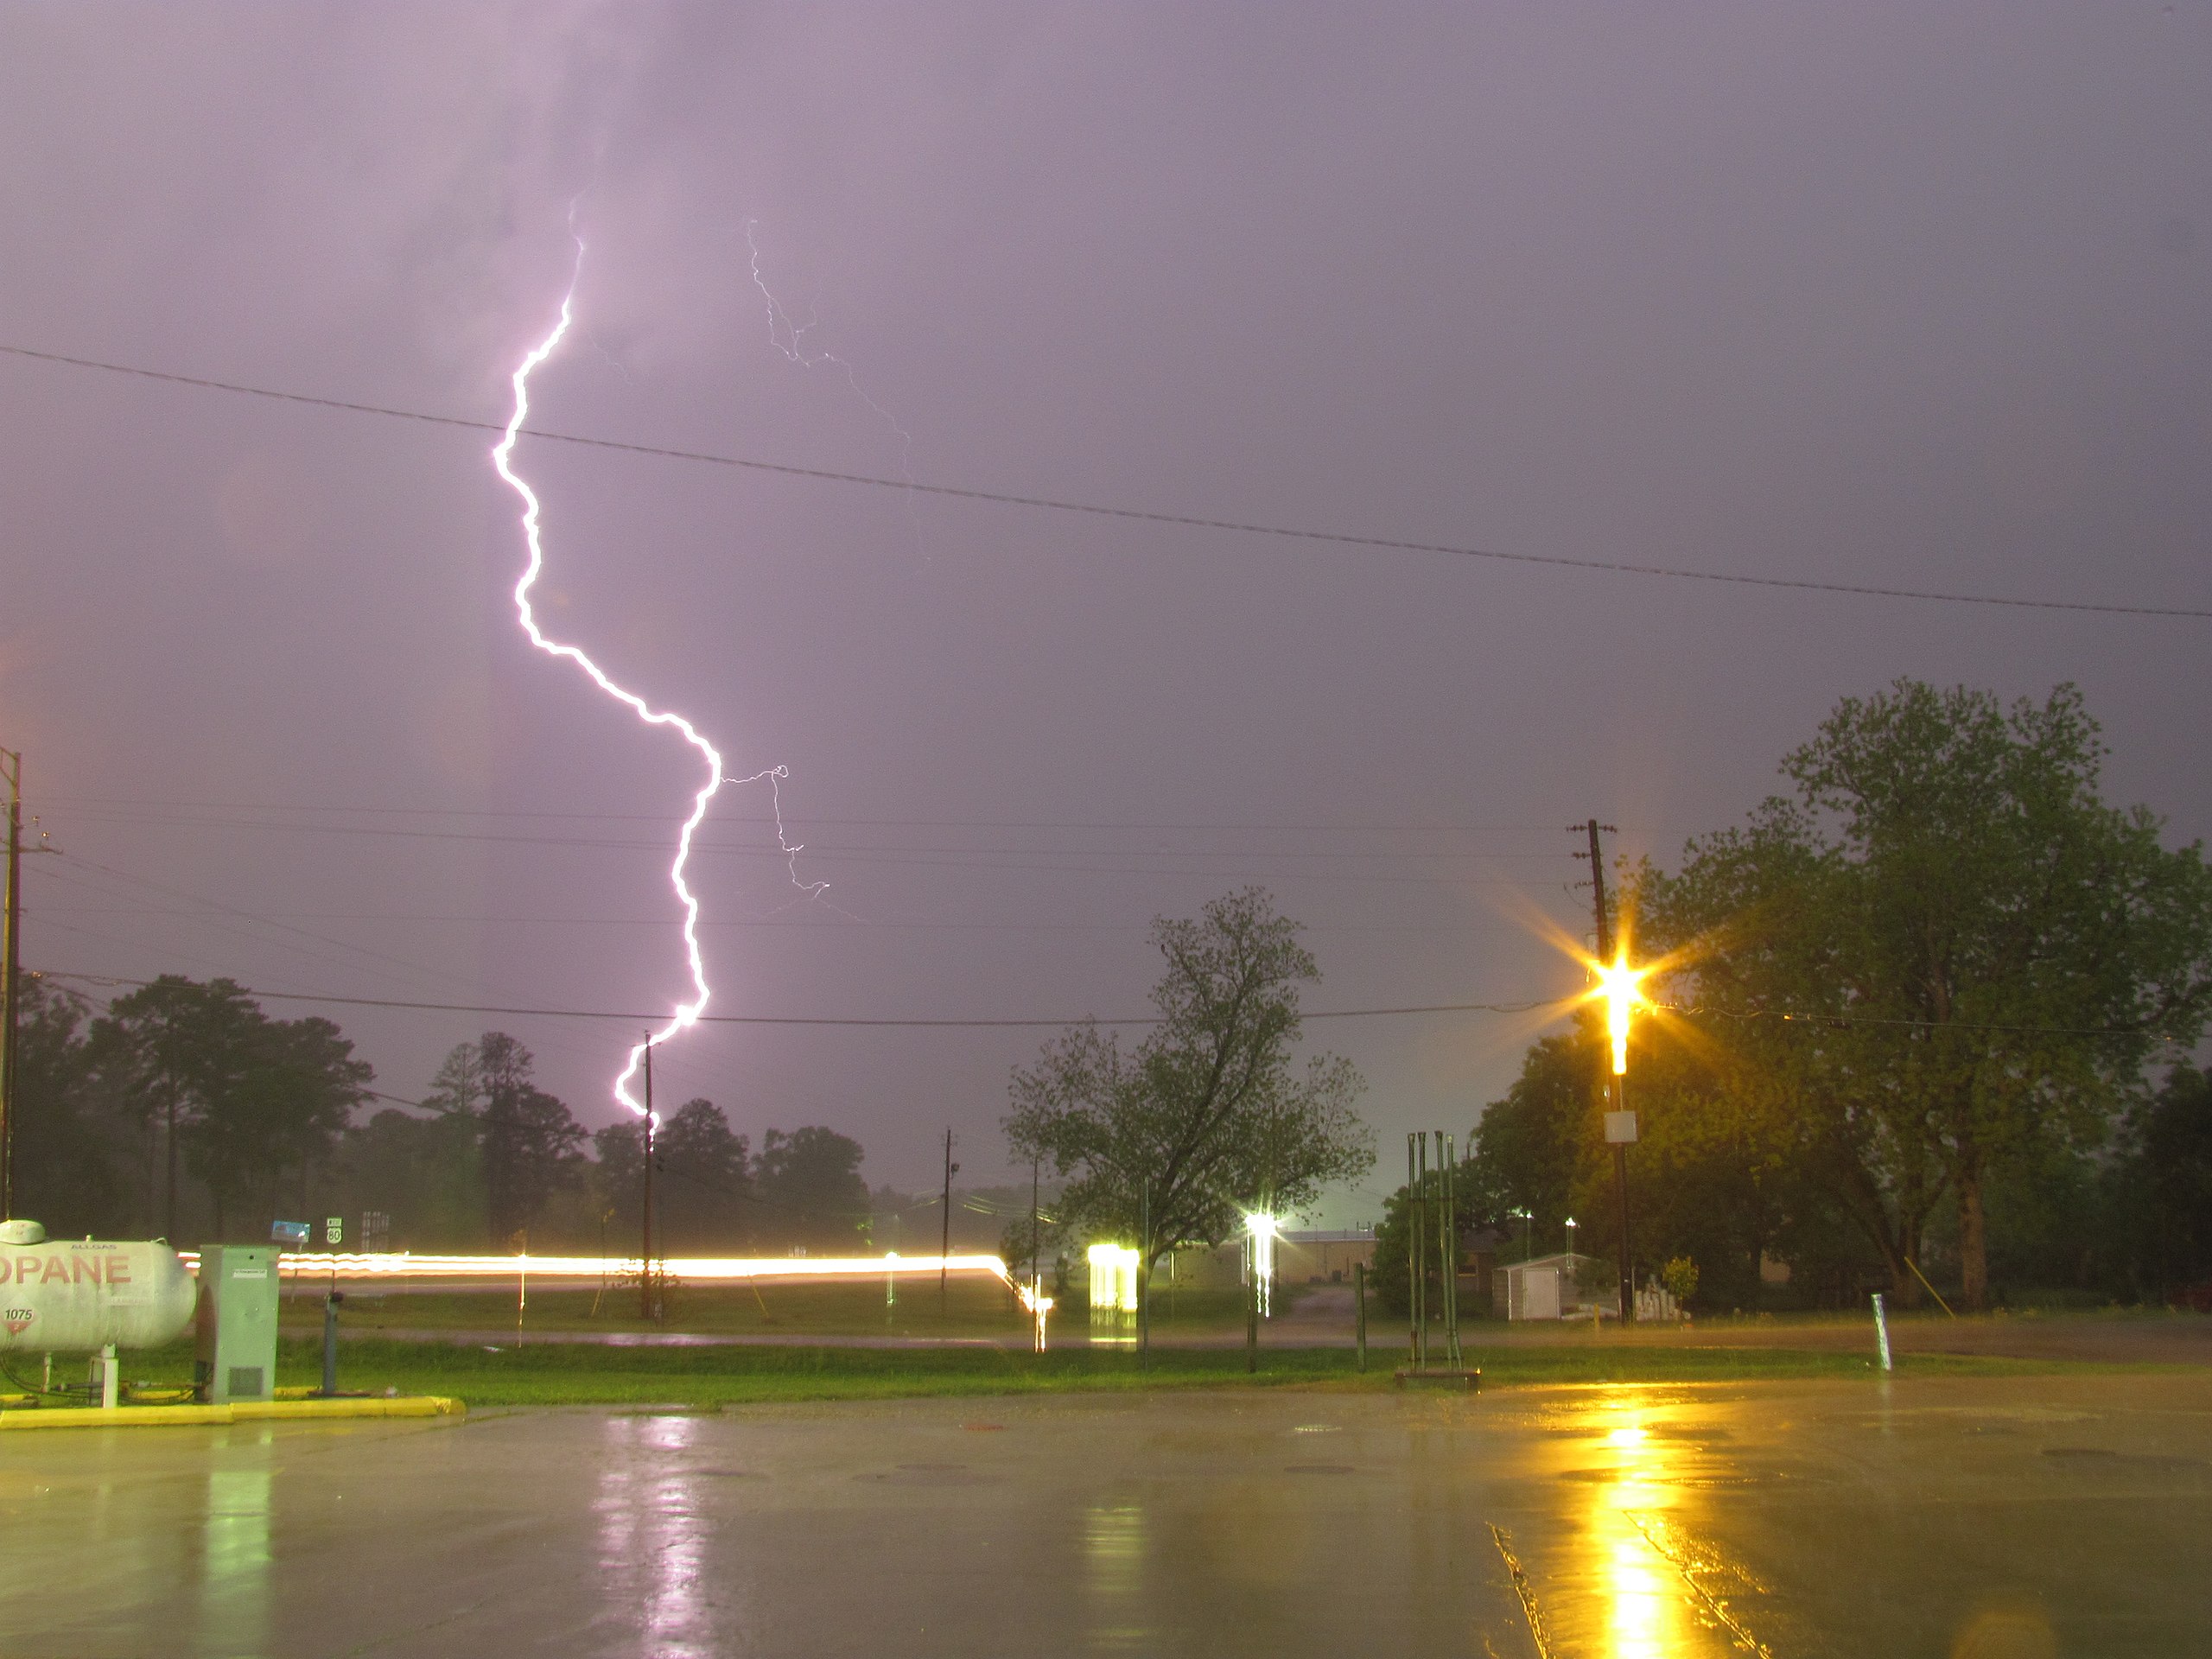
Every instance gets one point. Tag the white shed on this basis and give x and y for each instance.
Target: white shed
(1549, 1287)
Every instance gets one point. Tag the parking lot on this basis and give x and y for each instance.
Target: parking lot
(2019, 1517)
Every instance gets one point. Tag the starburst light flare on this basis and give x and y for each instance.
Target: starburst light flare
(1621, 986)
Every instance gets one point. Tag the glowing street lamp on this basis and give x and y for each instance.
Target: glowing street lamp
(1621, 987)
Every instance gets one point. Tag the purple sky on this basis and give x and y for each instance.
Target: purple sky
(1918, 296)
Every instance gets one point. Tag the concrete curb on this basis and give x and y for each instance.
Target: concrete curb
(237, 1411)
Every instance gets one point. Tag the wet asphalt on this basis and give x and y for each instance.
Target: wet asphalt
(2010, 1518)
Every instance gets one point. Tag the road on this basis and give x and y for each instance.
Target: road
(2022, 1517)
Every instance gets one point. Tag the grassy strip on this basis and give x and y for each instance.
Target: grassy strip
(972, 1308)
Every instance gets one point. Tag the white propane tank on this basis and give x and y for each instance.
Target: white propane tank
(77, 1295)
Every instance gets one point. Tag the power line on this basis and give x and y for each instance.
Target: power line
(1560, 1002)
(813, 819)
(1187, 521)
(793, 1019)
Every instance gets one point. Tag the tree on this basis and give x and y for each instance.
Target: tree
(167, 1050)
(1944, 949)
(2164, 1185)
(1172, 1143)
(1529, 1148)
(531, 1145)
(702, 1170)
(810, 1190)
(288, 1090)
(65, 1170)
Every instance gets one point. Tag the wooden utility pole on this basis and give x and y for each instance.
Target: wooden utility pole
(945, 1247)
(648, 1282)
(11, 967)
(1618, 1085)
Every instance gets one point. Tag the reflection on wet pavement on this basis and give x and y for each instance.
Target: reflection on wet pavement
(234, 1554)
(2019, 1518)
(651, 1532)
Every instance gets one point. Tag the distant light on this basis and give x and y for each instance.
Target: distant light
(1264, 1229)
(1113, 1270)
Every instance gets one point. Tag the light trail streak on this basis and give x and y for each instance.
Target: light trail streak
(690, 1270)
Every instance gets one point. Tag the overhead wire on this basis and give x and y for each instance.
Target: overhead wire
(806, 1020)
(1188, 521)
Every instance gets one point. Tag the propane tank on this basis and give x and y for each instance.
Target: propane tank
(78, 1295)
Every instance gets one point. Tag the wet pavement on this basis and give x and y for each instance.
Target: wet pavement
(2011, 1518)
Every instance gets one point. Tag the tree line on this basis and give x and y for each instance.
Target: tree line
(1925, 1023)
(184, 1111)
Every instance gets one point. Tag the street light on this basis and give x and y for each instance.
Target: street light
(1621, 987)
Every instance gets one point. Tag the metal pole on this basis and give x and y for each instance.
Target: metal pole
(1416, 1266)
(1251, 1300)
(1882, 1330)
(1620, 1186)
(1359, 1311)
(1144, 1276)
(648, 1302)
(10, 969)
(945, 1245)
(1451, 1254)
(330, 1343)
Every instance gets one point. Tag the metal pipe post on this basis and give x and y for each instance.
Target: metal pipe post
(1620, 1186)
(1359, 1311)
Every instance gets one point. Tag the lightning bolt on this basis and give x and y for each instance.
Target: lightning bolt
(789, 337)
(687, 1012)
(775, 775)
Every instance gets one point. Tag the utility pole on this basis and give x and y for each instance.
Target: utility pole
(11, 967)
(1605, 935)
(1036, 1237)
(648, 1282)
(944, 1246)
(1617, 1117)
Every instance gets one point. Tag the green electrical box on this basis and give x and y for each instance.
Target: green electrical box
(235, 1357)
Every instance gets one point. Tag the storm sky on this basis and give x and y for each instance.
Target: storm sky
(1913, 296)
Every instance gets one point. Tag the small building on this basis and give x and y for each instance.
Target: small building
(1555, 1288)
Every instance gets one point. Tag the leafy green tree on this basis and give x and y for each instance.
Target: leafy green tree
(702, 1169)
(2163, 1186)
(167, 1050)
(1945, 948)
(1171, 1142)
(810, 1190)
(67, 1172)
(531, 1145)
(288, 1090)
(424, 1173)
(1529, 1148)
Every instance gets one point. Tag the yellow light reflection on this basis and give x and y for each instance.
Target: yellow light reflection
(1645, 1614)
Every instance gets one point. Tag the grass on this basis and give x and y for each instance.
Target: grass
(581, 1373)
(972, 1308)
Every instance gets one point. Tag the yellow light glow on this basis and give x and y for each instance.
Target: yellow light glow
(1620, 986)
(1265, 1230)
(1113, 1279)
